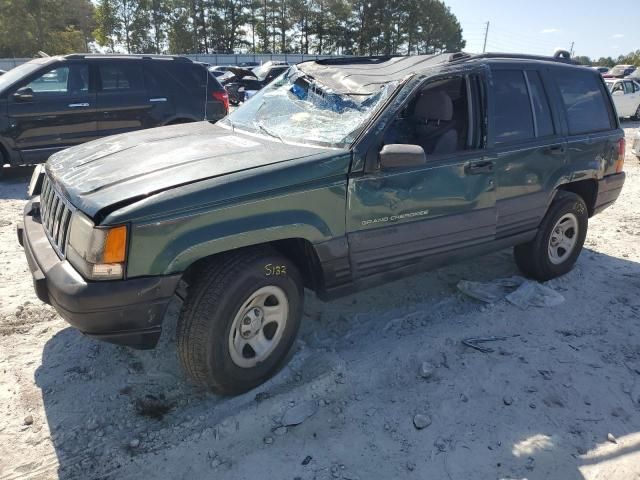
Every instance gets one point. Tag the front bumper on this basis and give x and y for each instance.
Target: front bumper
(125, 312)
(609, 189)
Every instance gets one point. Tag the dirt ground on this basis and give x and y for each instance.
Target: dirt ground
(541, 405)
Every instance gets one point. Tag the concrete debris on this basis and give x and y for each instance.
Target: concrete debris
(421, 421)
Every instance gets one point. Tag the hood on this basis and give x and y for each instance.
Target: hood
(237, 73)
(124, 168)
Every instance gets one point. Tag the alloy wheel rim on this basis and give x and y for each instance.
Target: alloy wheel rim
(258, 326)
(563, 238)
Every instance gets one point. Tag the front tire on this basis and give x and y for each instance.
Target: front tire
(240, 320)
(559, 240)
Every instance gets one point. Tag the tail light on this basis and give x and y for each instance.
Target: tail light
(221, 96)
(620, 160)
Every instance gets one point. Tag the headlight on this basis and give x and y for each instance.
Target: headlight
(98, 252)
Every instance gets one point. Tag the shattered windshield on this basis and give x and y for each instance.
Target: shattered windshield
(294, 107)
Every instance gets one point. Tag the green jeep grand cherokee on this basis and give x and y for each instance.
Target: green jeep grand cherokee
(340, 175)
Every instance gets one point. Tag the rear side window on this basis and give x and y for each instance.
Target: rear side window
(513, 120)
(628, 87)
(584, 101)
(114, 76)
(190, 76)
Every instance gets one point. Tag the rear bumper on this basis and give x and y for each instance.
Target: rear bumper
(609, 189)
(125, 312)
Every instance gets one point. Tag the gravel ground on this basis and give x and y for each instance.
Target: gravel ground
(558, 397)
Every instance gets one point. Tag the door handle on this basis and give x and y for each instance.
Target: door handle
(554, 150)
(479, 168)
(158, 99)
(77, 105)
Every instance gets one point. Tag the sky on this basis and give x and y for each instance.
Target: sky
(597, 28)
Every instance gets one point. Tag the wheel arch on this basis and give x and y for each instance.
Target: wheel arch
(298, 250)
(586, 189)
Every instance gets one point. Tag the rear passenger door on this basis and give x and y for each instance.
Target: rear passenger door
(123, 103)
(529, 147)
(592, 133)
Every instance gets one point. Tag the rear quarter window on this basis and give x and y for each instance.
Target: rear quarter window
(584, 100)
(192, 76)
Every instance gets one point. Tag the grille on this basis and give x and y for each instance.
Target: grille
(55, 214)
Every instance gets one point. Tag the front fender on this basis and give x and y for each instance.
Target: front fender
(160, 248)
(246, 232)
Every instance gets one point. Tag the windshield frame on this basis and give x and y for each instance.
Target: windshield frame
(349, 140)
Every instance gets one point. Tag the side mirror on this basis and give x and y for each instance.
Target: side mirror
(23, 95)
(400, 155)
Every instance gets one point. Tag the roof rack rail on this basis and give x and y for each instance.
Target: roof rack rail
(75, 56)
(558, 56)
(355, 59)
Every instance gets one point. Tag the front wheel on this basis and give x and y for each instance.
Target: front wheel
(240, 319)
(558, 243)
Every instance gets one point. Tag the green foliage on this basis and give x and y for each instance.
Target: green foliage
(632, 58)
(583, 60)
(206, 26)
(52, 26)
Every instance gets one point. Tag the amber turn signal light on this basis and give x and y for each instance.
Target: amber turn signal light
(115, 245)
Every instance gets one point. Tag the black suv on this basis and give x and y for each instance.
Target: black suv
(52, 103)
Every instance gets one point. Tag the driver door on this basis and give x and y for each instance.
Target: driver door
(52, 111)
(413, 218)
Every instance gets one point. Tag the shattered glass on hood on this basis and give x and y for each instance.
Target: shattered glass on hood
(298, 108)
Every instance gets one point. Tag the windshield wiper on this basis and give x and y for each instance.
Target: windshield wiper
(268, 132)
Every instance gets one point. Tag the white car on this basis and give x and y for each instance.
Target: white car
(626, 96)
(635, 146)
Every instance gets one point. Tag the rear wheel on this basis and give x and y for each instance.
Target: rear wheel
(559, 240)
(239, 320)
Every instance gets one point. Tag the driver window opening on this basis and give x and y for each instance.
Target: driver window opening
(438, 119)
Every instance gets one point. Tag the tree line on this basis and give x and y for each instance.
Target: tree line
(365, 27)
(632, 58)
(347, 27)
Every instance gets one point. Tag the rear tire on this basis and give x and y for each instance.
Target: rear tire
(240, 320)
(559, 240)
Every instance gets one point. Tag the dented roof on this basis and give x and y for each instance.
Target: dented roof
(367, 75)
